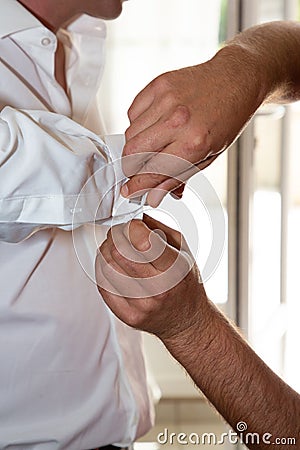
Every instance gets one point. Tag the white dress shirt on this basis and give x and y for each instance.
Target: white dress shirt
(71, 376)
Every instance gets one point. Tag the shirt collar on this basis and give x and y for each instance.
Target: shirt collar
(14, 17)
(88, 25)
(84, 46)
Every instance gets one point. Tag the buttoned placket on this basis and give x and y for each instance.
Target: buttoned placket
(84, 53)
(39, 44)
(84, 60)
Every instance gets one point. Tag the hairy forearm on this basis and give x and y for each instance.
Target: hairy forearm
(273, 50)
(235, 380)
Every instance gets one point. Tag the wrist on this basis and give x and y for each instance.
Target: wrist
(199, 330)
(244, 68)
(269, 53)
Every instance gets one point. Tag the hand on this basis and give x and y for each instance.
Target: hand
(147, 277)
(194, 114)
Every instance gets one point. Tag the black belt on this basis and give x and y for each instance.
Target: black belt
(111, 447)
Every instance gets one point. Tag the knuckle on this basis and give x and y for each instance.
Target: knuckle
(128, 135)
(134, 185)
(109, 235)
(178, 236)
(135, 319)
(141, 183)
(115, 254)
(165, 90)
(106, 270)
(154, 169)
(130, 113)
(98, 267)
(132, 145)
(101, 249)
(134, 225)
(162, 82)
(169, 99)
(107, 261)
(114, 233)
(197, 145)
(143, 244)
(160, 298)
(102, 259)
(179, 117)
(139, 235)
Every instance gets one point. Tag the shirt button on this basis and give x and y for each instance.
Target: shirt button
(46, 41)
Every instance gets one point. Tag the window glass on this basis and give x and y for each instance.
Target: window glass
(150, 38)
(274, 292)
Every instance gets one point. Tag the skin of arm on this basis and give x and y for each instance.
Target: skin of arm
(197, 112)
(233, 378)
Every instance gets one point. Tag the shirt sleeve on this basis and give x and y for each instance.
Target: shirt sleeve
(53, 173)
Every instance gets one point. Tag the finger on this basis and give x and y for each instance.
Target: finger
(157, 160)
(138, 270)
(207, 161)
(150, 244)
(172, 186)
(170, 161)
(157, 194)
(177, 193)
(141, 102)
(120, 251)
(103, 284)
(133, 311)
(160, 254)
(176, 175)
(174, 237)
(107, 272)
(161, 116)
(140, 184)
(120, 245)
(154, 170)
(153, 130)
(122, 277)
(135, 280)
(106, 257)
(167, 257)
(159, 273)
(181, 257)
(155, 92)
(116, 303)
(147, 118)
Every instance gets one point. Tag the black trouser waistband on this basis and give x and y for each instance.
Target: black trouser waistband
(110, 447)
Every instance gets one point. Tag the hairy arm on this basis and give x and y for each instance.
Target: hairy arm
(197, 112)
(236, 381)
(141, 283)
(274, 50)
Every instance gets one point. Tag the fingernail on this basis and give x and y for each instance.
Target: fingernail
(176, 197)
(124, 190)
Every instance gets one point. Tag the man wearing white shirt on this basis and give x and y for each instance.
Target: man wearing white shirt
(71, 375)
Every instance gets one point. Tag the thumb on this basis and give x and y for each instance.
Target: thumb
(173, 237)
